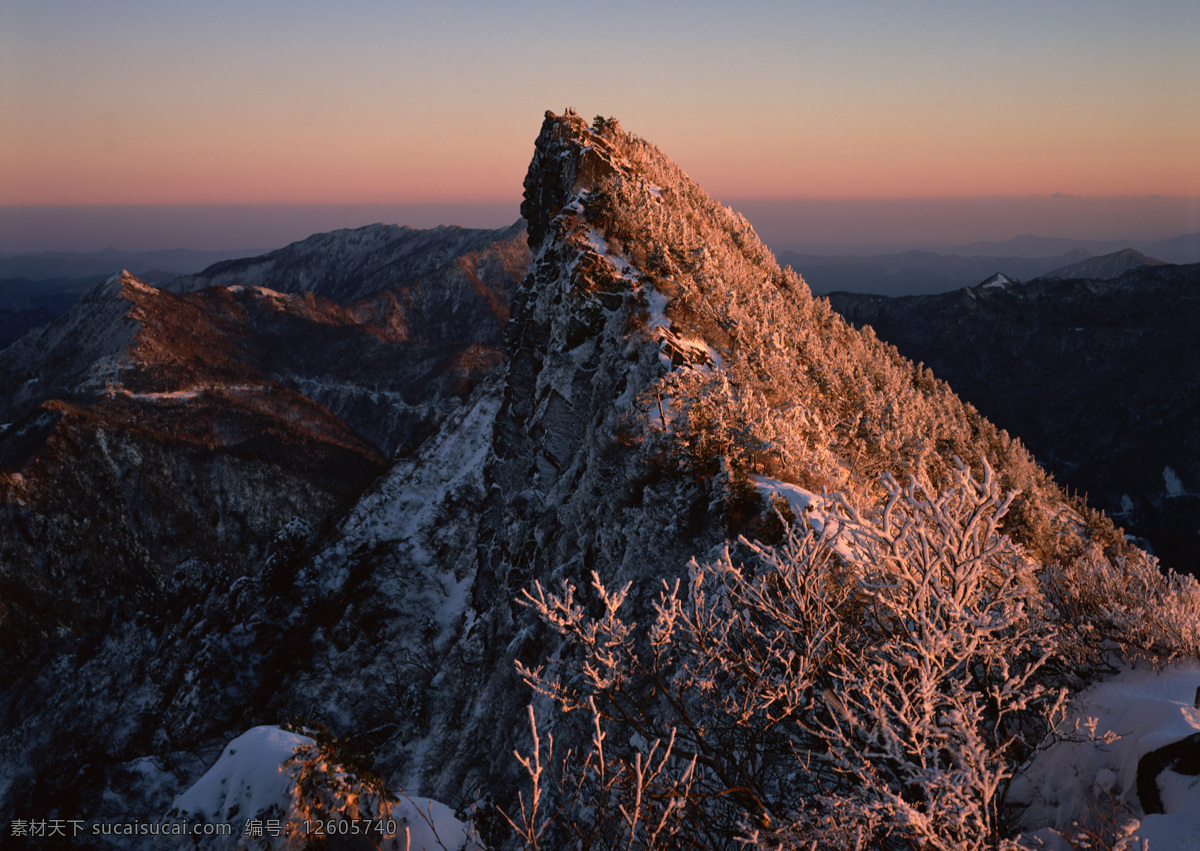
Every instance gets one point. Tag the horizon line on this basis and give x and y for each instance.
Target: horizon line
(1066, 196)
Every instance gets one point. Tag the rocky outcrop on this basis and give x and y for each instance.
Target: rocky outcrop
(1181, 757)
(555, 490)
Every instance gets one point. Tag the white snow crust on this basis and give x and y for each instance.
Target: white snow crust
(1171, 482)
(247, 780)
(809, 507)
(1091, 772)
(797, 497)
(998, 281)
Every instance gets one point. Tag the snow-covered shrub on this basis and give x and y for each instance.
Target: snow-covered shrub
(1124, 602)
(625, 803)
(330, 782)
(868, 682)
(946, 685)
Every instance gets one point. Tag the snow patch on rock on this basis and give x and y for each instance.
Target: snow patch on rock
(1171, 482)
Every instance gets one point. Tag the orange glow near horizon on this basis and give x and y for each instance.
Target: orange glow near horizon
(134, 169)
(100, 157)
(129, 104)
(128, 167)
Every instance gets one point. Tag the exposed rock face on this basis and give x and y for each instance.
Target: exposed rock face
(1099, 378)
(1182, 757)
(538, 480)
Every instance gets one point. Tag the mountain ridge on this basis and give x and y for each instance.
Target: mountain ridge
(918, 272)
(77, 264)
(140, 424)
(1105, 267)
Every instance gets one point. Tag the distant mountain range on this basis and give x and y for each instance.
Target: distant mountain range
(1184, 248)
(55, 279)
(148, 430)
(1104, 268)
(48, 265)
(35, 288)
(924, 272)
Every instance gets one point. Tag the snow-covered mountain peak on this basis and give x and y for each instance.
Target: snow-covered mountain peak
(661, 367)
(998, 281)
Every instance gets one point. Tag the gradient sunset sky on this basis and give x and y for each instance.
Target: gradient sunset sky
(395, 103)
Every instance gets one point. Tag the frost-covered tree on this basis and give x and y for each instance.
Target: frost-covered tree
(868, 682)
